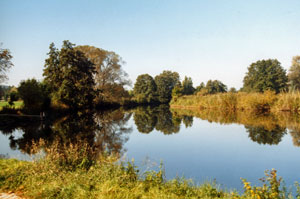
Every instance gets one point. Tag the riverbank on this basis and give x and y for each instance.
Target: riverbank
(254, 102)
(74, 171)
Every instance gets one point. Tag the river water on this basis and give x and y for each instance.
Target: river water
(201, 145)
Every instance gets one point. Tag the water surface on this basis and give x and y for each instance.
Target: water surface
(201, 145)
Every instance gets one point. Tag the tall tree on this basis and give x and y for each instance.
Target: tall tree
(165, 83)
(145, 89)
(5, 63)
(70, 75)
(109, 73)
(265, 75)
(187, 85)
(294, 73)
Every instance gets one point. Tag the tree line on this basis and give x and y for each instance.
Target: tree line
(78, 77)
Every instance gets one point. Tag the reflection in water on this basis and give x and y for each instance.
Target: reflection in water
(159, 117)
(108, 131)
(265, 136)
(262, 128)
(103, 131)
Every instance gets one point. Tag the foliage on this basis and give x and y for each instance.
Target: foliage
(232, 90)
(177, 91)
(294, 73)
(34, 94)
(5, 63)
(74, 172)
(13, 96)
(270, 190)
(145, 89)
(215, 86)
(165, 83)
(200, 87)
(70, 76)
(187, 85)
(109, 73)
(255, 102)
(265, 75)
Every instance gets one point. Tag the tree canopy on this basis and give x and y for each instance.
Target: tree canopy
(165, 83)
(34, 94)
(5, 63)
(145, 89)
(70, 75)
(294, 73)
(109, 76)
(215, 86)
(187, 85)
(265, 75)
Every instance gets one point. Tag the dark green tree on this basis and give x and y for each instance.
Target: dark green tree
(215, 86)
(13, 96)
(34, 94)
(145, 89)
(265, 75)
(294, 73)
(187, 85)
(70, 75)
(5, 63)
(165, 83)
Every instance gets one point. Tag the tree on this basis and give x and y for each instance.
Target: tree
(109, 72)
(294, 73)
(145, 89)
(177, 91)
(34, 94)
(165, 83)
(215, 86)
(232, 90)
(70, 75)
(200, 87)
(265, 75)
(13, 96)
(5, 63)
(187, 85)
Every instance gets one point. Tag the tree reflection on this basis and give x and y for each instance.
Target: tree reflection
(265, 136)
(113, 131)
(295, 133)
(159, 117)
(103, 131)
(145, 119)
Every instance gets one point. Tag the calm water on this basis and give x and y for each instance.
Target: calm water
(220, 146)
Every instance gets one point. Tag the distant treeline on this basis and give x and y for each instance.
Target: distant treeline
(85, 77)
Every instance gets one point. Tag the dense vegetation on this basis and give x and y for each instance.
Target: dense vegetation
(257, 102)
(74, 171)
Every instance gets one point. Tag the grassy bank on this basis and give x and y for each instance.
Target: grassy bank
(17, 104)
(256, 102)
(74, 172)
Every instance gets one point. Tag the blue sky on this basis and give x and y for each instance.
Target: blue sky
(212, 39)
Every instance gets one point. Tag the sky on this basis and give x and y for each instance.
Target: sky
(212, 39)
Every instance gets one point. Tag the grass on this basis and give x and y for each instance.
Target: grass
(255, 102)
(17, 104)
(74, 171)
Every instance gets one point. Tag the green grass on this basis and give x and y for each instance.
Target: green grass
(17, 104)
(71, 174)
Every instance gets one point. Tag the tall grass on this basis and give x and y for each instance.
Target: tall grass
(256, 102)
(75, 171)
